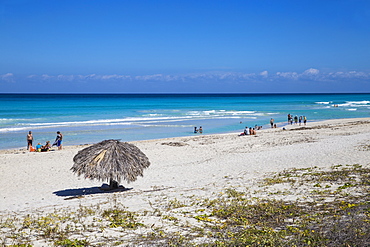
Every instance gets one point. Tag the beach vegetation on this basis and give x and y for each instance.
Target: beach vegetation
(71, 243)
(336, 212)
(121, 218)
(175, 203)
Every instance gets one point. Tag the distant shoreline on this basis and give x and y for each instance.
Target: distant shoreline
(286, 126)
(90, 118)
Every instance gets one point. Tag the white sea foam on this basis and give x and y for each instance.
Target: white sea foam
(4, 130)
(364, 103)
(359, 103)
(324, 102)
(9, 120)
(343, 105)
(152, 119)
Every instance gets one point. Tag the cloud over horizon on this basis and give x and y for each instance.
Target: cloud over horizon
(309, 74)
(310, 80)
(8, 77)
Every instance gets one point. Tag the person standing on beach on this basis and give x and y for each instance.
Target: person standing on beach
(272, 122)
(304, 120)
(58, 140)
(296, 119)
(200, 129)
(29, 140)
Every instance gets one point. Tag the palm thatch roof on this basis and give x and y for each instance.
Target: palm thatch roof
(111, 160)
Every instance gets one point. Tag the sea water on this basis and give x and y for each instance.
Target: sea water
(91, 118)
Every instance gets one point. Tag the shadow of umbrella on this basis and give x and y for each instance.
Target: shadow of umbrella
(86, 191)
(111, 160)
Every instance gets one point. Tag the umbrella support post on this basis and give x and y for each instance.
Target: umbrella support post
(113, 184)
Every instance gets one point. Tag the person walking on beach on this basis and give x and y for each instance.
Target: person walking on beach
(58, 140)
(29, 140)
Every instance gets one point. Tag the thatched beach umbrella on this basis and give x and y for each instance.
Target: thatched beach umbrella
(111, 160)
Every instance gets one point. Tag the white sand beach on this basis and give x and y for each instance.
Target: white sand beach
(185, 164)
(180, 167)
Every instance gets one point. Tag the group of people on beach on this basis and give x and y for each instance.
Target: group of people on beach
(273, 125)
(200, 130)
(47, 146)
(296, 119)
(250, 130)
(291, 119)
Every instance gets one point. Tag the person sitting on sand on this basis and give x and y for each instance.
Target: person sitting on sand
(245, 132)
(38, 147)
(46, 147)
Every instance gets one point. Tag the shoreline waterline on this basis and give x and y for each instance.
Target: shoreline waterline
(282, 127)
(92, 118)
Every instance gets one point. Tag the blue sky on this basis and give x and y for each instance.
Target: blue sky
(119, 46)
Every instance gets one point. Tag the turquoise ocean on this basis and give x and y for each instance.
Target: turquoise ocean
(91, 118)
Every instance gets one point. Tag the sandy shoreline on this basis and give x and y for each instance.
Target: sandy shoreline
(183, 166)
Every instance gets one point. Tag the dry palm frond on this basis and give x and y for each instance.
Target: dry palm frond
(111, 160)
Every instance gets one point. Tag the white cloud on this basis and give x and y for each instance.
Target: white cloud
(311, 72)
(66, 77)
(288, 75)
(349, 75)
(264, 73)
(9, 77)
(46, 77)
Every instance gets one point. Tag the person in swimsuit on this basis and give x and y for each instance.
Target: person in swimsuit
(59, 140)
(29, 140)
(46, 147)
